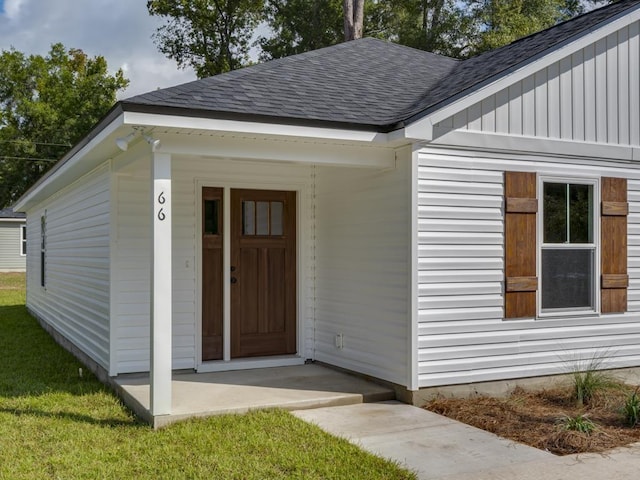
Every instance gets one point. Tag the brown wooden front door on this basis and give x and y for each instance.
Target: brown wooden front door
(263, 273)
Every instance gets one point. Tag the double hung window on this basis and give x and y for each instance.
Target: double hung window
(568, 246)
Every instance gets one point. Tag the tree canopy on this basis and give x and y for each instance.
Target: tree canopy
(47, 103)
(211, 36)
(215, 36)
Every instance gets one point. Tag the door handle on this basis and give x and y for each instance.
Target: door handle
(233, 269)
(234, 280)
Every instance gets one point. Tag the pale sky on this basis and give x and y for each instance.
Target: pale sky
(119, 30)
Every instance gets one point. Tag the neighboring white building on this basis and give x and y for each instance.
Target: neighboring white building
(418, 219)
(13, 241)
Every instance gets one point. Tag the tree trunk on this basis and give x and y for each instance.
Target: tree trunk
(353, 19)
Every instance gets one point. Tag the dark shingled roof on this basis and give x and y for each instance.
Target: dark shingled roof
(367, 83)
(9, 213)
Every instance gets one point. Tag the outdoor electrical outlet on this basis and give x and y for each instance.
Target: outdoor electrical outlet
(339, 340)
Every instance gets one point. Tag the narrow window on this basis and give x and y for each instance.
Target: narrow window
(568, 248)
(211, 217)
(42, 248)
(23, 240)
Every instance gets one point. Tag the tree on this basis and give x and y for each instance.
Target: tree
(299, 26)
(353, 19)
(503, 21)
(47, 104)
(211, 36)
(440, 26)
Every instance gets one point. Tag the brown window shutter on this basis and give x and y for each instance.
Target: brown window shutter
(613, 249)
(521, 207)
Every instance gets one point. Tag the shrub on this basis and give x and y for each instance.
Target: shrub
(588, 379)
(631, 409)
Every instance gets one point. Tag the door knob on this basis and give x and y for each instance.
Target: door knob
(234, 280)
(233, 269)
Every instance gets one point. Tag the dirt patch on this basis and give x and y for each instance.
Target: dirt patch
(536, 418)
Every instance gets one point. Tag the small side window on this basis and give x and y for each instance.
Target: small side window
(43, 249)
(23, 240)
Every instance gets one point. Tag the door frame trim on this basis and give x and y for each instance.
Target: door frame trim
(302, 245)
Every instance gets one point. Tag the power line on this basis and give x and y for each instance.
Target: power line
(6, 157)
(37, 143)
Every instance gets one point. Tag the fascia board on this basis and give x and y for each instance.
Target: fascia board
(497, 142)
(255, 128)
(425, 124)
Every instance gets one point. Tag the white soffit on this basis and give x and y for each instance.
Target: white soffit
(235, 126)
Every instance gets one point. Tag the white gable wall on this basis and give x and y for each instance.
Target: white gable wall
(462, 335)
(75, 299)
(589, 96)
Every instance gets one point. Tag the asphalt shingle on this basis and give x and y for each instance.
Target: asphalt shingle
(365, 83)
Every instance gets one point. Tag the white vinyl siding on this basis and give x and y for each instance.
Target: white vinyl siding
(462, 336)
(11, 258)
(362, 240)
(133, 244)
(589, 96)
(75, 300)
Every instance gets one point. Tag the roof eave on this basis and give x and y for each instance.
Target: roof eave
(254, 117)
(73, 155)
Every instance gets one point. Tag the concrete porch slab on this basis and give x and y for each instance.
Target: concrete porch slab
(292, 388)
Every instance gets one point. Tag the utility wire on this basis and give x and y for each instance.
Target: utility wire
(5, 157)
(37, 143)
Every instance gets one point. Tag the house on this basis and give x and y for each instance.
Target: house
(13, 241)
(421, 220)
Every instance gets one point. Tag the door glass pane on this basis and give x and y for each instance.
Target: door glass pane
(248, 218)
(567, 279)
(262, 218)
(276, 218)
(555, 213)
(580, 213)
(211, 217)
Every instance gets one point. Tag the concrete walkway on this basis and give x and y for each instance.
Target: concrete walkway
(291, 388)
(438, 448)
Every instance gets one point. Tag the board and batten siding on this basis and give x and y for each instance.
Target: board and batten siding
(11, 259)
(133, 245)
(462, 335)
(75, 298)
(362, 290)
(589, 96)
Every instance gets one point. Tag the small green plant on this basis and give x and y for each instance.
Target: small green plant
(631, 409)
(589, 379)
(579, 423)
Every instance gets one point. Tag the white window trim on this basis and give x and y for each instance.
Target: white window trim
(580, 180)
(23, 240)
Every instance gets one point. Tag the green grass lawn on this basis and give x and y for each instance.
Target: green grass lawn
(56, 424)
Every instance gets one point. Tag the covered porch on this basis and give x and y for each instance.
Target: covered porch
(292, 388)
(192, 289)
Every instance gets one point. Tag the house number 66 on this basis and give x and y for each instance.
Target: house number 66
(161, 201)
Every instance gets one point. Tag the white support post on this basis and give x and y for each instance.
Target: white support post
(161, 303)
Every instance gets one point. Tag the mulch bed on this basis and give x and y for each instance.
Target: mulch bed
(535, 418)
